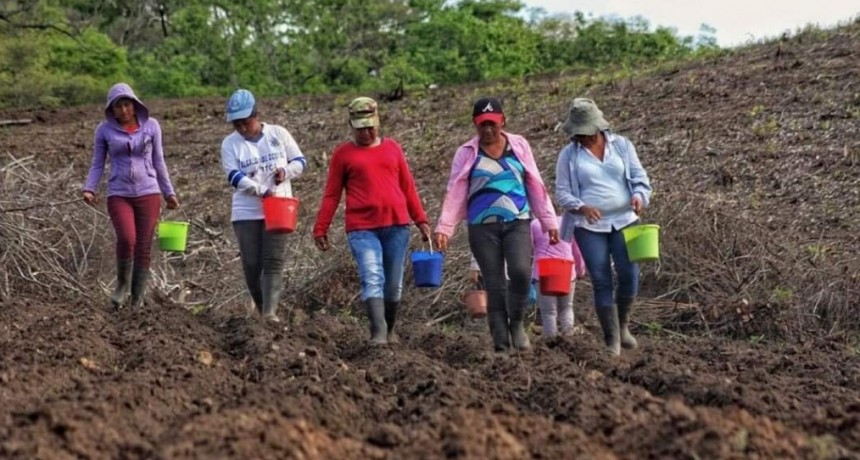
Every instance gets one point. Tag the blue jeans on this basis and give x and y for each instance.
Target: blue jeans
(380, 254)
(596, 249)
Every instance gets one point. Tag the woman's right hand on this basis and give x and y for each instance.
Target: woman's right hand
(90, 198)
(322, 243)
(441, 241)
(591, 214)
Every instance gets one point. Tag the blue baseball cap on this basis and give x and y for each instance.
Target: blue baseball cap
(240, 105)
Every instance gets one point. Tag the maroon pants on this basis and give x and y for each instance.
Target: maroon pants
(134, 221)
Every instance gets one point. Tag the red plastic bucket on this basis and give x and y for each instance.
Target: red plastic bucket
(281, 213)
(554, 276)
(476, 303)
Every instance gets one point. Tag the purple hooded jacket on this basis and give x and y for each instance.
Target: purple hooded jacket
(136, 160)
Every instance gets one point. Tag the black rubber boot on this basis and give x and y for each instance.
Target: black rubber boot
(139, 282)
(497, 319)
(608, 317)
(627, 339)
(253, 279)
(518, 305)
(123, 282)
(391, 317)
(378, 327)
(271, 285)
(257, 294)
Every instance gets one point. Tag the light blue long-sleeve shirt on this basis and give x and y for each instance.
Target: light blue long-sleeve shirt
(608, 186)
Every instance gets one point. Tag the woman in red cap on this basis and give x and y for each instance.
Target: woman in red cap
(496, 187)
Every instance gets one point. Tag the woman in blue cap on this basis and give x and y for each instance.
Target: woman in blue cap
(259, 160)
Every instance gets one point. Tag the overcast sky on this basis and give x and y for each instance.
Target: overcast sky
(736, 21)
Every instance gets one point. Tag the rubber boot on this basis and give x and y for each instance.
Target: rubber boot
(257, 294)
(271, 285)
(518, 305)
(608, 317)
(627, 339)
(123, 282)
(378, 327)
(497, 319)
(139, 282)
(391, 308)
(253, 279)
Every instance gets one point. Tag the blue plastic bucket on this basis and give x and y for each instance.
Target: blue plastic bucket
(427, 267)
(532, 294)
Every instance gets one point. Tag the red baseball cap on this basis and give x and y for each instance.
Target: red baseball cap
(488, 109)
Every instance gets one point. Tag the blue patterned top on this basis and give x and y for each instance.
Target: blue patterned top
(497, 191)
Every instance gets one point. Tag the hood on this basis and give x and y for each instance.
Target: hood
(121, 90)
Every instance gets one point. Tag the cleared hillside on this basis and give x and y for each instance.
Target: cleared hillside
(748, 324)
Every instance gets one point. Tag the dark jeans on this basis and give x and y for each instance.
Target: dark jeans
(134, 220)
(597, 248)
(262, 253)
(495, 244)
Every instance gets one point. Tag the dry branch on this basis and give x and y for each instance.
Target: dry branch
(23, 121)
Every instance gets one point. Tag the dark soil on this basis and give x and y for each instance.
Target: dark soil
(79, 382)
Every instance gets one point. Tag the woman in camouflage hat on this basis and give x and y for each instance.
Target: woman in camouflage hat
(381, 202)
(602, 187)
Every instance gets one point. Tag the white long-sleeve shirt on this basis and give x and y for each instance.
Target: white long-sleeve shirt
(251, 166)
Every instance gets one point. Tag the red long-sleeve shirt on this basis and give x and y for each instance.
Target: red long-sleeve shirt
(380, 190)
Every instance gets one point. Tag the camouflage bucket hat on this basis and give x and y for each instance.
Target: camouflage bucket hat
(363, 113)
(584, 118)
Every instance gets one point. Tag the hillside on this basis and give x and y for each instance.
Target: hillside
(748, 324)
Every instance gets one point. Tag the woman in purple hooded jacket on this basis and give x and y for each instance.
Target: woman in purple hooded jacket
(138, 178)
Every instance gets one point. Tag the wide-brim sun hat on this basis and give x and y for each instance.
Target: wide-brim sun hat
(584, 118)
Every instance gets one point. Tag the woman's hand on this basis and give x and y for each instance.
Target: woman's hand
(322, 243)
(172, 202)
(554, 236)
(592, 215)
(636, 204)
(424, 228)
(90, 198)
(441, 241)
(280, 176)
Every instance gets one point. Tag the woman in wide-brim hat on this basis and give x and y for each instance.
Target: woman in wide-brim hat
(602, 187)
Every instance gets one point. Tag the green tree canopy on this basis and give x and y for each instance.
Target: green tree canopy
(70, 51)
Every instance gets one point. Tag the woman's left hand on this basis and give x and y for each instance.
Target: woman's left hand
(280, 176)
(424, 228)
(172, 202)
(636, 204)
(554, 236)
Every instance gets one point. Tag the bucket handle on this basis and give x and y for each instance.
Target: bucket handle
(278, 188)
(181, 211)
(431, 245)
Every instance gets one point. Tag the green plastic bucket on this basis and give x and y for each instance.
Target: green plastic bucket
(643, 242)
(172, 236)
